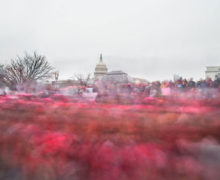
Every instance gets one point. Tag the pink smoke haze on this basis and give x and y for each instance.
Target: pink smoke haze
(63, 139)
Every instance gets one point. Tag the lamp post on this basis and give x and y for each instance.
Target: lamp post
(56, 75)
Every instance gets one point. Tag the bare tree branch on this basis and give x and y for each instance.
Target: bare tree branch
(27, 69)
(83, 81)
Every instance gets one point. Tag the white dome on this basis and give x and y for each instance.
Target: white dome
(100, 69)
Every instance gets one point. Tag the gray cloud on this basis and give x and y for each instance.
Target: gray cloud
(153, 39)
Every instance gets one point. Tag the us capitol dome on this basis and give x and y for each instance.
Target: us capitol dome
(100, 69)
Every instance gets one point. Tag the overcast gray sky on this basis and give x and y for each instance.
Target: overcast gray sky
(152, 39)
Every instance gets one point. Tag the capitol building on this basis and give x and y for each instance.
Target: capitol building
(101, 73)
(100, 69)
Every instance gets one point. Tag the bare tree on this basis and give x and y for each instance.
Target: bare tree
(2, 75)
(83, 81)
(29, 68)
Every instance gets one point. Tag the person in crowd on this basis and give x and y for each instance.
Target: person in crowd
(191, 83)
(216, 82)
(184, 83)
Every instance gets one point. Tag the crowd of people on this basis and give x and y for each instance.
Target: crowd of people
(47, 139)
(181, 88)
(127, 91)
(45, 136)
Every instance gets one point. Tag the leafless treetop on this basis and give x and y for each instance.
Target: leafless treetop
(27, 69)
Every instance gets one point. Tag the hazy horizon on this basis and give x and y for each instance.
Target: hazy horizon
(151, 39)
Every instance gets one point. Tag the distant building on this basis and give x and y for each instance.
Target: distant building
(100, 69)
(65, 83)
(139, 80)
(212, 72)
(117, 77)
(101, 73)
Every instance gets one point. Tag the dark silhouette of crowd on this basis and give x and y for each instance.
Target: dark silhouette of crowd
(180, 88)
